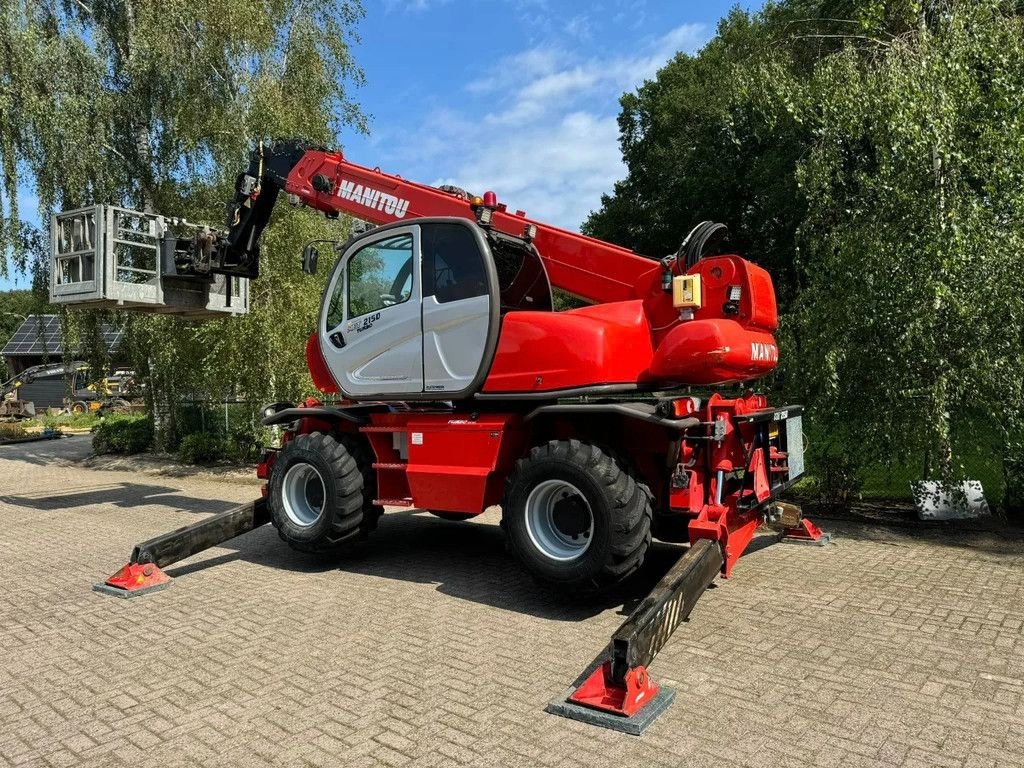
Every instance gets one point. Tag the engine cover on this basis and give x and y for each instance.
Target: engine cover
(605, 344)
(706, 352)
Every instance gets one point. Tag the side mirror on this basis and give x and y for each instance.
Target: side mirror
(310, 255)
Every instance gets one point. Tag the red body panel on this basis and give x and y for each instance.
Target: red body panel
(634, 336)
(453, 460)
(550, 351)
(443, 461)
(318, 370)
(718, 351)
(757, 308)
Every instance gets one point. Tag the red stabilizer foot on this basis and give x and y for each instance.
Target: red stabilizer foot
(599, 692)
(807, 532)
(134, 579)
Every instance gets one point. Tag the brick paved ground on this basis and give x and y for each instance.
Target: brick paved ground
(428, 646)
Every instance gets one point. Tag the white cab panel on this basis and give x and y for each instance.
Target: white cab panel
(372, 329)
(454, 341)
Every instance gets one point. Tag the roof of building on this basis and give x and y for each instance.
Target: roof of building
(39, 335)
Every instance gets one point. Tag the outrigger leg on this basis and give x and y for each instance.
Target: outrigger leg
(619, 694)
(143, 572)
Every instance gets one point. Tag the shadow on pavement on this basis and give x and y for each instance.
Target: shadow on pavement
(466, 560)
(65, 451)
(1008, 541)
(123, 495)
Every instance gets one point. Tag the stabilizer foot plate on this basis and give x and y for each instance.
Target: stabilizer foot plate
(806, 532)
(633, 725)
(134, 579)
(609, 711)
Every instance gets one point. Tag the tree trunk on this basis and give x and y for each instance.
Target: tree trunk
(162, 401)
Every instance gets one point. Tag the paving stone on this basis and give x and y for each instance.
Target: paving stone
(428, 646)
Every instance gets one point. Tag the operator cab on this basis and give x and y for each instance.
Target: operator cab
(413, 311)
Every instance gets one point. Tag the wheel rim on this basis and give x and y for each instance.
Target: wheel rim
(302, 494)
(559, 520)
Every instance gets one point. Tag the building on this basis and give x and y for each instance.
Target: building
(38, 341)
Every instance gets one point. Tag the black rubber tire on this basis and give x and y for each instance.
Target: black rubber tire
(360, 450)
(348, 512)
(621, 507)
(453, 516)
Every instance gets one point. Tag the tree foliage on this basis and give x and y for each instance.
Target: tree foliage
(156, 106)
(15, 306)
(871, 155)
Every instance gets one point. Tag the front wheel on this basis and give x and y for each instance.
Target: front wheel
(319, 494)
(575, 517)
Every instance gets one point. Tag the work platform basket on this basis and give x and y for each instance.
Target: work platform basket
(108, 257)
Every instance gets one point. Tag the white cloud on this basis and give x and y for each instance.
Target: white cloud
(534, 13)
(540, 129)
(578, 27)
(511, 70)
(545, 76)
(555, 172)
(534, 99)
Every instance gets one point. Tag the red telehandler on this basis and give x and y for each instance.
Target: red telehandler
(451, 385)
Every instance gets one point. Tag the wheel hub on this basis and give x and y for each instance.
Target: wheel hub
(559, 520)
(302, 494)
(571, 515)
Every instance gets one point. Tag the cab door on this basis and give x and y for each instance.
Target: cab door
(371, 330)
(460, 307)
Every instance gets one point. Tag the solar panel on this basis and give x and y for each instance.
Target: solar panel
(40, 335)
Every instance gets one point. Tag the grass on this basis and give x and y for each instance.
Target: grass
(64, 420)
(11, 431)
(893, 482)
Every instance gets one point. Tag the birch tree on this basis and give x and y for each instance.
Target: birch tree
(156, 106)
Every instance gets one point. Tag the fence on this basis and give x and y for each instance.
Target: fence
(834, 478)
(230, 427)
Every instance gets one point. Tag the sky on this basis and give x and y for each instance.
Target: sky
(515, 96)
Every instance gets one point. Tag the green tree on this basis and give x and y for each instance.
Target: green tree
(156, 106)
(14, 307)
(913, 242)
(870, 155)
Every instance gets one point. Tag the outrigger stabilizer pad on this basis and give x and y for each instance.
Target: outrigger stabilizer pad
(142, 574)
(595, 699)
(134, 579)
(617, 692)
(806, 532)
(797, 529)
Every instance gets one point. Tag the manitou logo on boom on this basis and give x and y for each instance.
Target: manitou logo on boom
(373, 199)
(760, 351)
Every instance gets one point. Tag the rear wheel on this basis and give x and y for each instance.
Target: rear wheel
(575, 517)
(320, 492)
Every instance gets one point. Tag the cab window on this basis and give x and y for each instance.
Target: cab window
(379, 276)
(453, 266)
